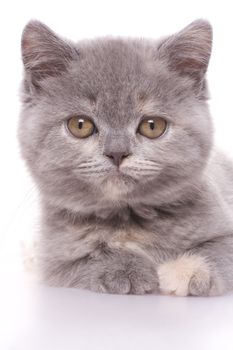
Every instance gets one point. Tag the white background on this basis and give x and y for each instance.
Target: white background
(102, 321)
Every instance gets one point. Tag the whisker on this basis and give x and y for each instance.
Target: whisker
(148, 162)
(86, 167)
(93, 171)
(88, 164)
(142, 169)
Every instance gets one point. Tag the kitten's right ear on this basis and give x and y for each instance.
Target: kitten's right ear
(44, 54)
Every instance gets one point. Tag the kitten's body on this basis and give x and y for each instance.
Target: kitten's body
(164, 220)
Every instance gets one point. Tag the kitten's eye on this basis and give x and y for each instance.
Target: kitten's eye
(152, 127)
(81, 127)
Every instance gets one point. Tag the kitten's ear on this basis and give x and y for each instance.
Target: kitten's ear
(188, 52)
(44, 53)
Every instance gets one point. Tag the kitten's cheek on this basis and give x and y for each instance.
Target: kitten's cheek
(85, 147)
(89, 148)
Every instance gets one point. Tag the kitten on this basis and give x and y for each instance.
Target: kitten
(118, 137)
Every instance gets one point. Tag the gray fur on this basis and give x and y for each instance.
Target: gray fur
(107, 231)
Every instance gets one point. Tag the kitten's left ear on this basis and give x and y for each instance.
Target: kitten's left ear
(188, 52)
(44, 53)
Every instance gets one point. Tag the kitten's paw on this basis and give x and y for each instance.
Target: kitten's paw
(127, 276)
(125, 282)
(188, 275)
(116, 282)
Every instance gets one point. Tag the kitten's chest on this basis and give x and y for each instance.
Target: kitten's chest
(160, 233)
(167, 230)
(146, 232)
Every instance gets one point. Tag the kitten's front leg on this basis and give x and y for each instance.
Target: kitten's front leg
(204, 271)
(105, 270)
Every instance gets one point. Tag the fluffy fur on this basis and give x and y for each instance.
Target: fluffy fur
(163, 220)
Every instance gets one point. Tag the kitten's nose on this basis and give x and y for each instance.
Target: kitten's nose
(117, 157)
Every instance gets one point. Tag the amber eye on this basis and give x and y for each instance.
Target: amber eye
(81, 127)
(152, 127)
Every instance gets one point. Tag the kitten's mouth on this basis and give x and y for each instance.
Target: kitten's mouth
(117, 183)
(119, 175)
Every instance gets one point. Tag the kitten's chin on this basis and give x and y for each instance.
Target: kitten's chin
(116, 187)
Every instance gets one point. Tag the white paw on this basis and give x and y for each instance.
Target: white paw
(188, 274)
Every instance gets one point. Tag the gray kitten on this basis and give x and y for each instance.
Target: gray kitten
(118, 138)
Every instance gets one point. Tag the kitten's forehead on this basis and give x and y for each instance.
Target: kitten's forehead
(117, 55)
(116, 81)
(114, 64)
(120, 75)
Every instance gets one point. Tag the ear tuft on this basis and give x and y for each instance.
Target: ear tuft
(188, 52)
(44, 54)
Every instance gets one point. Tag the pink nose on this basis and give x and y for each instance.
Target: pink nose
(117, 157)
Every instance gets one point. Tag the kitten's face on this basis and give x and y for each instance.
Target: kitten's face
(117, 85)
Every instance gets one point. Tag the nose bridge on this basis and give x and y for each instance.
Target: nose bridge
(116, 143)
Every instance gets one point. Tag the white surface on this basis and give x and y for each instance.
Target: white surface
(32, 318)
(65, 319)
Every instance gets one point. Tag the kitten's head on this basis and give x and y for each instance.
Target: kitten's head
(115, 120)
